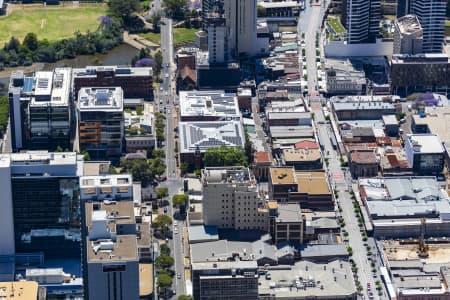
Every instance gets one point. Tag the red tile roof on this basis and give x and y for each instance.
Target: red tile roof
(262, 157)
(306, 145)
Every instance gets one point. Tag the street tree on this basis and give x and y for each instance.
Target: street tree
(164, 281)
(159, 153)
(165, 249)
(179, 200)
(139, 169)
(161, 221)
(30, 41)
(158, 58)
(164, 261)
(162, 192)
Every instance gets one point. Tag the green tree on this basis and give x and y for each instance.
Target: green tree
(155, 19)
(175, 8)
(140, 170)
(180, 200)
(164, 262)
(161, 221)
(261, 11)
(122, 8)
(4, 113)
(184, 167)
(156, 166)
(225, 156)
(86, 155)
(164, 280)
(158, 59)
(159, 153)
(162, 192)
(185, 297)
(30, 41)
(164, 249)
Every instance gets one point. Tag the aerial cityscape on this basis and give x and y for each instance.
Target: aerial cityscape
(225, 149)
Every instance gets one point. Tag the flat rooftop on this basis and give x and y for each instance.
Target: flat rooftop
(120, 71)
(19, 290)
(145, 280)
(52, 88)
(301, 155)
(425, 143)
(282, 175)
(312, 183)
(372, 105)
(39, 158)
(437, 120)
(363, 157)
(209, 104)
(307, 280)
(204, 135)
(224, 265)
(289, 213)
(227, 175)
(124, 248)
(391, 197)
(100, 99)
(117, 212)
(288, 115)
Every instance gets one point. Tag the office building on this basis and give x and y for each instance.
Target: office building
(196, 137)
(40, 203)
(285, 222)
(431, 14)
(425, 153)
(208, 106)
(321, 281)
(40, 110)
(135, 82)
(231, 199)
(408, 35)
(356, 108)
(225, 280)
(308, 188)
(101, 122)
(217, 35)
(361, 18)
(420, 73)
(110, 252)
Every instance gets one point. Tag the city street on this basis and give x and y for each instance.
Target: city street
(174, 183)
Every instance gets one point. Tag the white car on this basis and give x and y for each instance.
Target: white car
(175, 231)
(175, 223)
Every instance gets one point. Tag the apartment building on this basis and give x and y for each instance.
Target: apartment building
(40, 109)
(361, 18)
(431, 14)
(231, 199)
(101, 122)
(135, 82)
(408, 35)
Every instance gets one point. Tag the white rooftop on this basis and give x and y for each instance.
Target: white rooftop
(425, 143)
(205, 135)
(56, 85)
(43, 83)
(209, 104)
(100, 99)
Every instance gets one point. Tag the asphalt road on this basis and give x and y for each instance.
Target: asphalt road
(174, 183)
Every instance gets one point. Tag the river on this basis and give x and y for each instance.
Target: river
(120, 55)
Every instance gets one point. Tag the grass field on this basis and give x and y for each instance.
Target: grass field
(52, 23)
(180, 36)
(335, 23)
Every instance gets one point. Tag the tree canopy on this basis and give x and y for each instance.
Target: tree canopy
(225, 156)
(165, 249)
(162, 192)
(161, 221)
(175, 8)
(180, 199)
(122, 8)
(164, 261)
(164, 280)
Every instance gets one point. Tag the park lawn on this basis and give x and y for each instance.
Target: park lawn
(184, 35)
(152, 37)
(335, 23)
(180, 36)
(52, 23)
